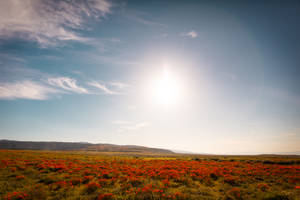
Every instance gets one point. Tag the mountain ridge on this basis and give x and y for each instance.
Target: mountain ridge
(78, 146)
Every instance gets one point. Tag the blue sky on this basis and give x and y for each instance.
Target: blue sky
(95, 71)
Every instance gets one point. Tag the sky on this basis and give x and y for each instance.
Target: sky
(205, 76)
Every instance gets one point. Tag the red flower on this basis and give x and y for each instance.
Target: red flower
(105, 196)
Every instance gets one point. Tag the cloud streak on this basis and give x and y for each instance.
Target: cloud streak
(67, 84)
(48, 22)
(102, 87)
(42, 89)
(25, 83)
(25, 90)
(112, 88)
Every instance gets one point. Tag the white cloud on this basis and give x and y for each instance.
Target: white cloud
(68, 84)
(27, 83)
(102, 87)
(109, 88)
(39, 90)
(25, 90)
(192, 34)
(48, 22)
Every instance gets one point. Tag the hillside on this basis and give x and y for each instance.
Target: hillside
(78, 146)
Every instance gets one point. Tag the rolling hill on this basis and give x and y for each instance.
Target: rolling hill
(78, 146)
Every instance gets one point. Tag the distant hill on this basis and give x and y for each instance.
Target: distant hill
(78, 146)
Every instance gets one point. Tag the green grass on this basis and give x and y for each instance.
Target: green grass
(79, 175)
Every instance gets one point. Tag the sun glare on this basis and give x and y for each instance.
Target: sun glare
(166, 89)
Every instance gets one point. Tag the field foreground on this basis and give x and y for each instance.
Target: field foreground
(73, 175)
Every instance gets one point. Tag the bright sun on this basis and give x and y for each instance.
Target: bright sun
(166, 89)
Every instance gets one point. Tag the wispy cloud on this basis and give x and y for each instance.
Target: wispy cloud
(112, 88)
(48, 22)
(192, 34)
(21, 82)
(68, 84)
(102, 87)
(25, 90)
(41, 89)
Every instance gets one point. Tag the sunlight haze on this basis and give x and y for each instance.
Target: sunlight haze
(198, 76)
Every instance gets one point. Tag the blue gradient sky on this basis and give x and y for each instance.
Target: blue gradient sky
(81, 72)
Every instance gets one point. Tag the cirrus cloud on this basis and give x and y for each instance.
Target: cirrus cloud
(43, 89)
(111, 88)
(48, 22)
(25, 90)
(68, 84)
(101, 87)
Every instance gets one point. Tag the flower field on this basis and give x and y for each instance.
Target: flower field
(72, 175)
